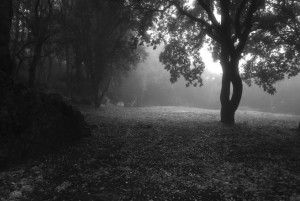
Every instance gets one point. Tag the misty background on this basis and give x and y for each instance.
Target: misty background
(150, 83)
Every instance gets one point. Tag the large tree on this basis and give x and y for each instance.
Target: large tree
(186, 25)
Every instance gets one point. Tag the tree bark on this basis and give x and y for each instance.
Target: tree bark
(96, 94)
(16, 40)
(98, 97)
(6, 15)
(33, 65)
(69, 73)
(104, 91)
(230, 76)
(50, 68)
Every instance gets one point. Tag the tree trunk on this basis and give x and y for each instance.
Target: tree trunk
(16, 39)
(96, 94)
(33, 65)
(104, 91)
(50, 67)
(69, 73)
(230, 76)
(20, 60)
(6, 15)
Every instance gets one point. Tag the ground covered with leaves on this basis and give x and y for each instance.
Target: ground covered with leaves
(167, 153)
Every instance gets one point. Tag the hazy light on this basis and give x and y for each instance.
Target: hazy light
(190, 3)
(210, 65)
(217, 16)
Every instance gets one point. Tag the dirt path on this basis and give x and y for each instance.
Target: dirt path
(167, 153)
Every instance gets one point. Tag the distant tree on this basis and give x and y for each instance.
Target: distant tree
(35, 21)
(185, 28)
(5, 25)
(104, 40)
(94, 39)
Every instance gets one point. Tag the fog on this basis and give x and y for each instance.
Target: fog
(149, 85)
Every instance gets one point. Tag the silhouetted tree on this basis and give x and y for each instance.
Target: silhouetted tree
(35, 22)
(105, 40)
(185, 28)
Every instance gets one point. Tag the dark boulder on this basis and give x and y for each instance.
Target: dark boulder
(34, 122)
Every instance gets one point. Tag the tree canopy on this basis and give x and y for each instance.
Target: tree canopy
(185, 26)
(97, 38)
(273, 49)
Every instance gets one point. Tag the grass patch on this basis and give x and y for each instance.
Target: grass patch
(168, 153)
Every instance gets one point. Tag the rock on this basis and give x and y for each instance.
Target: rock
(34, 123)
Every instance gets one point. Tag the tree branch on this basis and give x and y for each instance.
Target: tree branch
(247, 25)
(208, 27)
(240, 8)
(209, 12)
(192, 17)
(225, 21)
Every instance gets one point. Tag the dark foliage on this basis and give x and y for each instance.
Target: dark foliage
(274, 48)
(34, 122)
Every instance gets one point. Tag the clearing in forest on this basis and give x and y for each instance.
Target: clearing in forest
(168, 153)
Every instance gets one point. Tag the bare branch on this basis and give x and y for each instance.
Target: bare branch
(211, 30)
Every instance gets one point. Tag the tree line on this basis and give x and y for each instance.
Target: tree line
(103, 39)
(96, 39)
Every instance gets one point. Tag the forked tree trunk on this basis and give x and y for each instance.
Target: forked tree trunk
(230, 76)
(229, 104)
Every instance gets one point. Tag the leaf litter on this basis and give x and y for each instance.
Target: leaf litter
(167, 153)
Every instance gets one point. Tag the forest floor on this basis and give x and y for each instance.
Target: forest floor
(167, 153)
